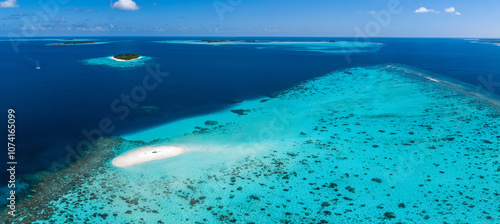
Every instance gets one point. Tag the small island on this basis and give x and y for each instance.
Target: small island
(227, 41)
(489, 41)
(121, 61)
(147, 154)
(274, 41)
(126, 57)
(75, 42)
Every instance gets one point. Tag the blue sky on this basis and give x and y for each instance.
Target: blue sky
(338, 18)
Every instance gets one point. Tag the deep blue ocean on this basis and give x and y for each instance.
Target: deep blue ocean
(55, 103)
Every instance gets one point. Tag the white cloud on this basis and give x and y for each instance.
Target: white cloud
(125, 5)
(372, 12)
(452, 10)
(425, 10)
(9, 4)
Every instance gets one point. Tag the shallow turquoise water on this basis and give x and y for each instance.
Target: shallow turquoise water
(44, 39)
(108, 61)
(377, 145)
(97, 42)
(338, 47)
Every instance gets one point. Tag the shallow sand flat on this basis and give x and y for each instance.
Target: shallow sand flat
(147, 154)
(339, 47)
(364, 145)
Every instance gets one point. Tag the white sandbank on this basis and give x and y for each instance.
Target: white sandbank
(146, 154)
(116, 59)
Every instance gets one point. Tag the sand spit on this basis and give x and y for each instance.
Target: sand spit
(147, 154)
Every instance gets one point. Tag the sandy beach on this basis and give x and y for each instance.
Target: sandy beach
(116, 59)
(146, 154)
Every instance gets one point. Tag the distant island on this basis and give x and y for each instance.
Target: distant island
(225, 41)
(75, 42)
(306, 41)
(126, 57)
(489, 40)
(274, 41)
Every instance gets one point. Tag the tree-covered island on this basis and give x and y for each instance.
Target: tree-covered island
(75, 42)
(126, 57)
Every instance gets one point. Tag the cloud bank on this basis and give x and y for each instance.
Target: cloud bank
(125, 5)
(9, 4)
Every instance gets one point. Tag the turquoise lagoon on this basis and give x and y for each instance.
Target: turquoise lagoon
(108, 61)
(487, 41)
(382, 144)
(96, 42)
(337, 47)
(45, 39)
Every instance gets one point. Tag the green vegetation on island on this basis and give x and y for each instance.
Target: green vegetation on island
(305, 41)
(75, 42)
(126, 57)
(226, 41)
(489, 41)
(275, 41)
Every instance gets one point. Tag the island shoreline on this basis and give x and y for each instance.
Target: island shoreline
(121, 60)
(147, 154)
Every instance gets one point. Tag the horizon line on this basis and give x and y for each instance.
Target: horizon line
(10, 37)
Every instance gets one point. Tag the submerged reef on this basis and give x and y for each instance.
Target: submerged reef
(209, 122)
(47, 187)
(149, 109)
(385, 144)
(321, 46)
(38, 202)
(240, 111)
